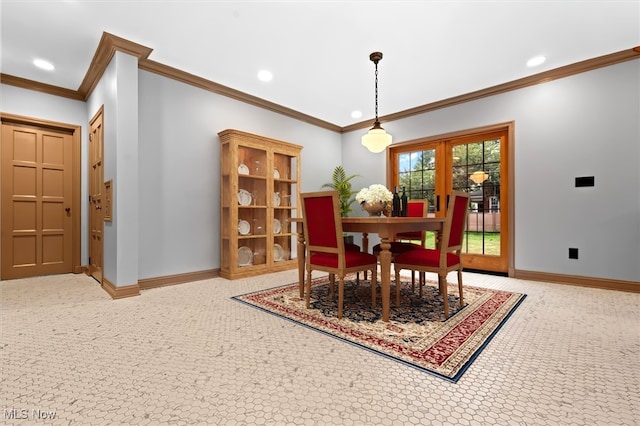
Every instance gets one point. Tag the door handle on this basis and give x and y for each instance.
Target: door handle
(68, 210)
(437, 203)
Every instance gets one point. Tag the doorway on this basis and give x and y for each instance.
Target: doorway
(96, 193)
(477, 162)
(40, 198)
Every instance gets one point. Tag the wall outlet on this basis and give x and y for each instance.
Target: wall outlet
(573, 253)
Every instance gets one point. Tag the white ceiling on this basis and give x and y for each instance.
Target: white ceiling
(319, 51)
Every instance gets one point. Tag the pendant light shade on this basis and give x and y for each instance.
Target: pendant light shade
(376, 140)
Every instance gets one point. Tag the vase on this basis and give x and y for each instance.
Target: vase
(374, 209)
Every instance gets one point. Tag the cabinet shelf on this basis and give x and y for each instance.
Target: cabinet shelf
(266, 172)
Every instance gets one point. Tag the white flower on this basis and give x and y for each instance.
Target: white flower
(374, 193)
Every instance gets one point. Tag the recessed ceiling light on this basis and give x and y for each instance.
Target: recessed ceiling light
(265, 75)
(45, 65)
(535, 61)
(356, 114)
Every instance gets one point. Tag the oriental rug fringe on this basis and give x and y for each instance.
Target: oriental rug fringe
(417, 334)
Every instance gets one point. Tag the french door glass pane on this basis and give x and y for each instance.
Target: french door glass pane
(476, 170)
(418, 175)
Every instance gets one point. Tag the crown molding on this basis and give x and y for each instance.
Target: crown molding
(107, 47)
(543, 77)
(49, 89)
(202, 83)
(110, 43)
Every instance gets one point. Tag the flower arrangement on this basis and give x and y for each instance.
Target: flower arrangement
(375, 193)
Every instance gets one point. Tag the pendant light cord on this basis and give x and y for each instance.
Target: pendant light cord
(376, 63)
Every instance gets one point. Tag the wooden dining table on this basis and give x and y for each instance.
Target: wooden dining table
(386, 228)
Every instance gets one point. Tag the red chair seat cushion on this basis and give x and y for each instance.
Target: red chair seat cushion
(425, 257)
(398, 247)
(352, 259)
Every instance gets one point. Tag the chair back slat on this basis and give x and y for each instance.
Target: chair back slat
(318, 212)
(455, 222)
(458, 220)
(322, 223)
(415, 208)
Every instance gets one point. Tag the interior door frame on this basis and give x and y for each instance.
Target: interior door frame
(76, 181)
(96, 272)
(508, 189)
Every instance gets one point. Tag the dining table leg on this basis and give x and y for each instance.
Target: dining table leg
(301, 258)
(385, 276)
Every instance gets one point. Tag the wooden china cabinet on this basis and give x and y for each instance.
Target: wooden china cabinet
(259, 188)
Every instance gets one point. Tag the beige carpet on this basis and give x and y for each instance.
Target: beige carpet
(189, 354)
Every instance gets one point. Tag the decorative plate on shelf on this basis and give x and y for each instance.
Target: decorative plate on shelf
(245, 256)
(243, 227)
(243, 169)
(276, 199)
(244, 197)
(276, 173)
(278, 253)
(277, 226)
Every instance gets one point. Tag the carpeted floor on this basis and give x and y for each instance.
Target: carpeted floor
(417, 333)
(189, 354)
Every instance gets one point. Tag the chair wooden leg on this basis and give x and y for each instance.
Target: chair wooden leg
(308, 290)
(460, 287)
(374, 284)
(373, 289)
(442, 283)
(332, 282)
(413, 281)
(421, 282)
(397, 287)
(340, 295)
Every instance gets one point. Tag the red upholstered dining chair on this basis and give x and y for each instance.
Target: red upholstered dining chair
(402, 240)
(326, 248)
(415, 208)
(444, 259)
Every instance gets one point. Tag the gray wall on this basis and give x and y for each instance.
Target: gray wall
(117, 91)
(581, 125)
(584, 125)
(180, 169)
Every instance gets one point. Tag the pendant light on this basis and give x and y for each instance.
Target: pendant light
(376, 140)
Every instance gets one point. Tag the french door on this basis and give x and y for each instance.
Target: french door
(475, 162)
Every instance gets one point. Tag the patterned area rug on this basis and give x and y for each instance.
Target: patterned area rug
(417, 333)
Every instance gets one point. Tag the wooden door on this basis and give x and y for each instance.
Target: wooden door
(475, 162)
(37, 231)
(96, 177)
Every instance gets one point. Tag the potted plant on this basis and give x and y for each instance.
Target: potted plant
(342, 183)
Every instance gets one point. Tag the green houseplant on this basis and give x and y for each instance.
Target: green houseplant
(342, 183)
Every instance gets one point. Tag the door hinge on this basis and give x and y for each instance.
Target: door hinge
(89, 197)
(89, 260)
